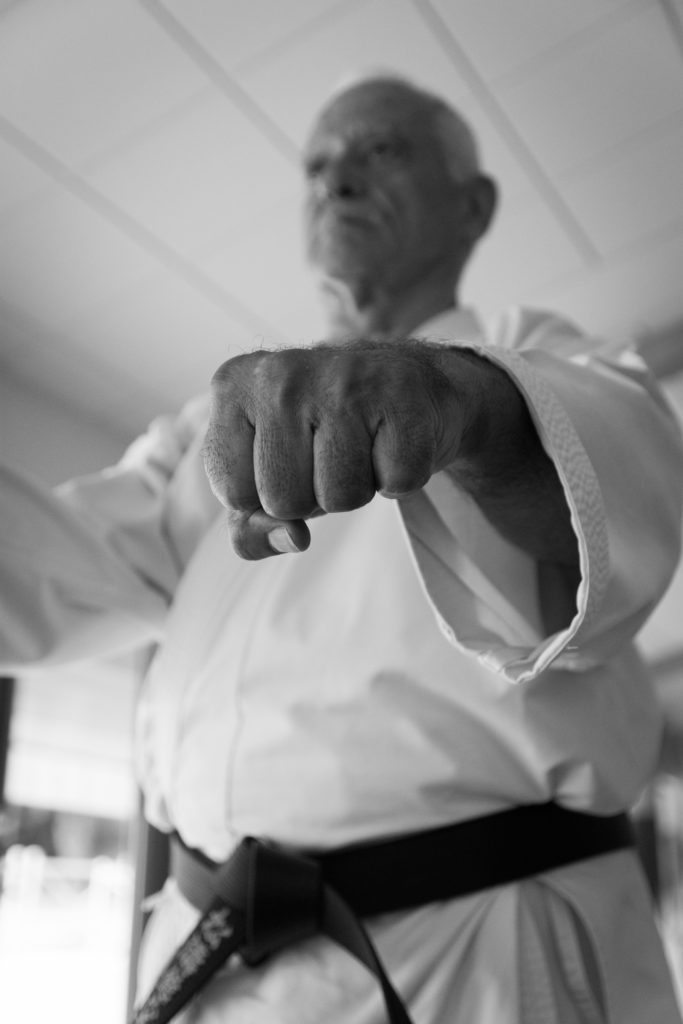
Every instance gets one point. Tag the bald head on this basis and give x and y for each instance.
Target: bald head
(395, 199)
(458, 143)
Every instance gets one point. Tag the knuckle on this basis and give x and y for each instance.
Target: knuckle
(345, 499)
(282, 396)
(353, 386)
(399, 484)
(283, 475)
(222, 376)
(404, 457)
(236, 383)
(280, 385)
(343, 484)
(231, 369)
(285, 506)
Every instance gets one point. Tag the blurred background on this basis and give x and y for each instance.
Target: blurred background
(150, 229)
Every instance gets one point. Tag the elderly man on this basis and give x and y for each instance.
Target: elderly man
(434, 718)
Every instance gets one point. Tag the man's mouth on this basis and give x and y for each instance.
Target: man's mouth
(342, 215)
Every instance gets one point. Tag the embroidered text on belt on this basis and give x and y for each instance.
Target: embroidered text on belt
(266, 897)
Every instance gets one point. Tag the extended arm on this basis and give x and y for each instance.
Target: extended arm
(299, 431)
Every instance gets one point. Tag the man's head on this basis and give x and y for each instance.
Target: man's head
(395, 192)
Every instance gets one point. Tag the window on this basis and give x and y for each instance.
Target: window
(68, 833)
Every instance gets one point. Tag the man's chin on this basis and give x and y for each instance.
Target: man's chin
(346, 264)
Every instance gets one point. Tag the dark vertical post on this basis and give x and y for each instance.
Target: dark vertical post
(6, 701)
(151, 854)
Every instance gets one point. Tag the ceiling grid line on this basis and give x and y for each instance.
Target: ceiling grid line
(219, 77)
(94, 161)
(540, 61)
(142, 133)
(624, 253)
(673, 12)
(274, 50)
(617, 150)
(136, 232)
(583, 244)
(648, 239)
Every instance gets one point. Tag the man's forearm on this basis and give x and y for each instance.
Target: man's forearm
(501, 463)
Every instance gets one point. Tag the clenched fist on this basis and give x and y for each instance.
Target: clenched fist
(298, 432)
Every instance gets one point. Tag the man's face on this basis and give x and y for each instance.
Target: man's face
(381, 204)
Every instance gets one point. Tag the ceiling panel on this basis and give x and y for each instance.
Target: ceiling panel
(634, 191)
(245, 31)
(599, 92)
(173, 337)
(79, 74)
(637, 292)
(58, 256)
(502, 37)
(197, 177)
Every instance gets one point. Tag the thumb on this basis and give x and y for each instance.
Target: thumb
(256, 535)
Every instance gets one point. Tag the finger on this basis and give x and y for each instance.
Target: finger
(343, 475)
(228, 455)
(283, 467)
(403, 455)
(257, 535)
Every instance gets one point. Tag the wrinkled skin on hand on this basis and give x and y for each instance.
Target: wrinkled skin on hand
(299, 432)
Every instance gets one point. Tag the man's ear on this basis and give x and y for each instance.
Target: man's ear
(482, 199)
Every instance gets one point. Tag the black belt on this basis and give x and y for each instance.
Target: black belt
(265, 897)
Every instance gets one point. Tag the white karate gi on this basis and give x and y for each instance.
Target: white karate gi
(395, 677)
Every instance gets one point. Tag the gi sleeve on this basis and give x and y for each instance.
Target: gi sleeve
(616, 448)
(88, 570)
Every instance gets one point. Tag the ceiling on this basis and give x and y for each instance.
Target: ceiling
(149, 181)
(150, 193)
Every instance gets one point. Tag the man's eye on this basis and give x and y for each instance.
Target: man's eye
(313, 168)
(385, 151)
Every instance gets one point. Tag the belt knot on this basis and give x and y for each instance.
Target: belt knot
(279, 893)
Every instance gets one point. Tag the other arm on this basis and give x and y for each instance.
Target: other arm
(88, 570)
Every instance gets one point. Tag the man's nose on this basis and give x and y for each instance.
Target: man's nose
(342, 179)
